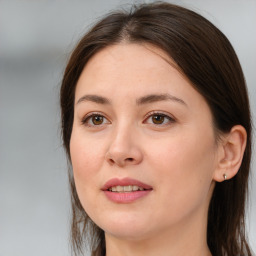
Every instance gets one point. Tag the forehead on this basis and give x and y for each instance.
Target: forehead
(130, 66)
(141, 49)
(134, 70)
(137, 54)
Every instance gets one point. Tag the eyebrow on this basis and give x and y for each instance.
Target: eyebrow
(141, 101)
(94, 98)
(158, 97)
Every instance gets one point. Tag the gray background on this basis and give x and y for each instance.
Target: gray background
(36, 37)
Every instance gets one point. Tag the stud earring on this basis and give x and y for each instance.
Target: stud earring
(225, 176)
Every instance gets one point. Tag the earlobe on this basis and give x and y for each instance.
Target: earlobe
(231, 151)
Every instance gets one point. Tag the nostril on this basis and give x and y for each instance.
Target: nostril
(111, 161)
(129, 159)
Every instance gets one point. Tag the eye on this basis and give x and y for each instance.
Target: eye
(159, 119)
(94, 120)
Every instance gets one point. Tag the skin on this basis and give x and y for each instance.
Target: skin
(179, 157)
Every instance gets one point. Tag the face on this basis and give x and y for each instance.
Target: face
(139, 124)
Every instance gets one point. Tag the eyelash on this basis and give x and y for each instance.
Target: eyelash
(89, 117)
(166, 116)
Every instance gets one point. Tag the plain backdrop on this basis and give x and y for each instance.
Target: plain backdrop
(36, 38)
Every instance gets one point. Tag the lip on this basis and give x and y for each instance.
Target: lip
(125, 197)
(125, 182)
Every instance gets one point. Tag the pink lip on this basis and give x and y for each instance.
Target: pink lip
(125, 197)
(124, 182)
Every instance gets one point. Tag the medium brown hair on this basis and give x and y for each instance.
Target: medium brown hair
(205, 56)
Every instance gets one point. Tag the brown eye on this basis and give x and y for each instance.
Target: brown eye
(97, 120)
(158, 119)
(94, 120)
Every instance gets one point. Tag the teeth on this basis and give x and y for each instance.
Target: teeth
(119, 188)
(125, 188)
(135, 188)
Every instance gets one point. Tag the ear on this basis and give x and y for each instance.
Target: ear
(230, 153)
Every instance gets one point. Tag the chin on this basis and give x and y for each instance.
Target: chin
(127, 234)
(124, 227)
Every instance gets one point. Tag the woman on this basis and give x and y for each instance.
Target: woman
(156, 125)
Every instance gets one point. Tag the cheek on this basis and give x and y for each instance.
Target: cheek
(183, 156)
(85, 154)
(184, 167)
(86, 164)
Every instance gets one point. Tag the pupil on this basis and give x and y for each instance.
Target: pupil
(158, 119)
(97, 119)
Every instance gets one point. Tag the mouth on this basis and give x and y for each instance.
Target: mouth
(125, 190)
(125, 185)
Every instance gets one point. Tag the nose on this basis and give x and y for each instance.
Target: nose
(124, 148)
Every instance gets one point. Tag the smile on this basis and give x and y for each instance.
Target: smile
(125, 190)
(129, 188)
